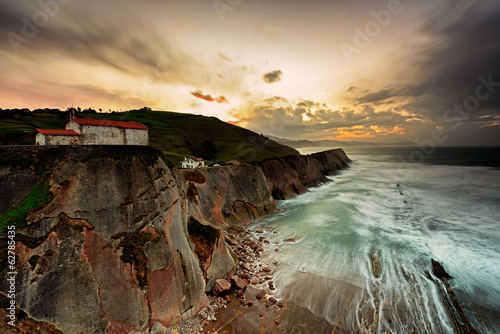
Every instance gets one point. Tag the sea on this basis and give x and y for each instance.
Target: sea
(357, 251)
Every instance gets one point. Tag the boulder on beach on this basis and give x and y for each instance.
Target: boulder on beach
(239, 283)
(221, 286)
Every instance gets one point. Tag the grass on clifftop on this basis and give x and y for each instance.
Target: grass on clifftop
(176, 134)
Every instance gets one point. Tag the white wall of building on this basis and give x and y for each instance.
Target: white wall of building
(62, 140)
(136, 137)
(102, 135)
(191, 163)
(188, 163)
(41, 139)
(73, 126)
(109, 135)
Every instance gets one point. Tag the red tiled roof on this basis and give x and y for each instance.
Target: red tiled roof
(55, 132)
(102, 122)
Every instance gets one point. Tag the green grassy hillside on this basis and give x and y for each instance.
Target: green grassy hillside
(175, 134)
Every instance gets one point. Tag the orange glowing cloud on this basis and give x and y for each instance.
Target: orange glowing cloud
(200, 95)
(207, 97)
(346, 135)
(221, 99)
(360, 132)
(385, 131)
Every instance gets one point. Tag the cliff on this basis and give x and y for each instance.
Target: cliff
(291, 176)
(113, 240)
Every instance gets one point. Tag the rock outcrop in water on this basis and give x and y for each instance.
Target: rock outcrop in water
(456, 314)
(113, 240)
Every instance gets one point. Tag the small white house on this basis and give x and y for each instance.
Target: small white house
(193, 163)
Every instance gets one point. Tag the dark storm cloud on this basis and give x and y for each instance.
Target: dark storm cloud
(376, 97)
(470, 49)
(467, 48)
(385, 95)
(114, 36)
(9, 20)
(273, 76)
(463, 52)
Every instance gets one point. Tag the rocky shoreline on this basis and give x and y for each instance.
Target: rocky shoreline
(249, 272)
(233, 289)
(256, 309)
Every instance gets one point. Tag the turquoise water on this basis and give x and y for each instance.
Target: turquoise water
(445, 212)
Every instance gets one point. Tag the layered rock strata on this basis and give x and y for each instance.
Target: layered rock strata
(113, 240)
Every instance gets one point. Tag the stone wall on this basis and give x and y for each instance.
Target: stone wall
(102, 135)
(108, 135)
(41, 139)
(136, 137)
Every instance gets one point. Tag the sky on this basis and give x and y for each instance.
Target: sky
(423, 71)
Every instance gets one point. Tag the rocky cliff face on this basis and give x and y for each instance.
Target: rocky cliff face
(121, 242)
(290, 176)
(220, 197)
(233, 195)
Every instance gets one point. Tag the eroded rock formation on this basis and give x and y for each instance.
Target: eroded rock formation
(122, 242)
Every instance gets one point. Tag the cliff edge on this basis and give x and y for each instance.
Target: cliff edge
(113, 240)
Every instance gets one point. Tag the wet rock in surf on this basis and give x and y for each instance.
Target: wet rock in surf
(376, 264)
(458, 319)
(438, 270)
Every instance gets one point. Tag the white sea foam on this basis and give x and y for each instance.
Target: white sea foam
(443, 212)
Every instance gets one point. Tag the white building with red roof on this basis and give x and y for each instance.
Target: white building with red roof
(86, 131)
(55, 137)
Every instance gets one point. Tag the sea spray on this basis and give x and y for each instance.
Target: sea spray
(444, 212)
